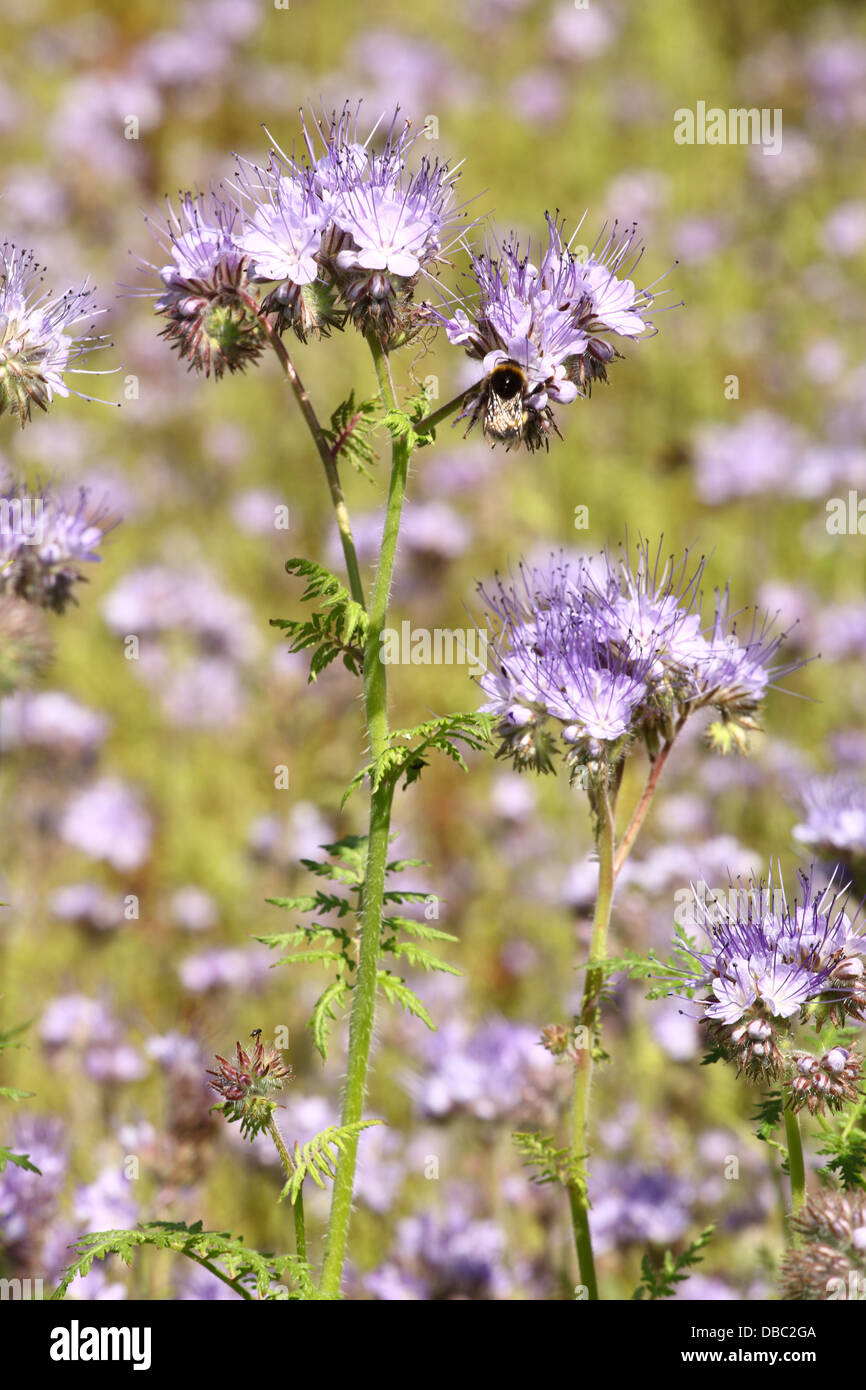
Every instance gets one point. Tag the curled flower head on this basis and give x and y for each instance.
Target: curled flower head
(43, 541)
(209, 318)
(550, 323)
(610, 649)
(770, 963)
(830, 1261)
(248, 1088)
(39, 346)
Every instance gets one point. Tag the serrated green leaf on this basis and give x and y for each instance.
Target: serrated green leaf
(19, 1160)
(396, 991)
(323, 1013)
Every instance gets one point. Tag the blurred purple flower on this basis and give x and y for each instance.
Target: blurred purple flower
(107, 820)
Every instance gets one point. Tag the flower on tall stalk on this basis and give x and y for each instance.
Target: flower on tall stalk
(346, 220)
(43, 542)
(40, 343)
(542, 332)
(770, 964)
(248, 1088)
(208, 317)
(608, 651)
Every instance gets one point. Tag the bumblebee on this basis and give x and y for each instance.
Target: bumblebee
(505, 410)
(502, 402)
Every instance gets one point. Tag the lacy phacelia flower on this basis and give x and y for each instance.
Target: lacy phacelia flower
(38, 347)
(831, 1260)
(608, 651)
(43, 541)
(210, 319)
(371, 226)
(541, 331)
(249, 1087)
(770, 964)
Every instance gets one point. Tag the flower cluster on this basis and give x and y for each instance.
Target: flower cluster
(830, 1262)
(249, 1087)
(551, 321)
(39, 346)
(608, 651)
(43, 541)
(341, 230)
(770, 964)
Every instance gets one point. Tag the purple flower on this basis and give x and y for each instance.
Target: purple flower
(497, 1069)
(43, 541)
(767, 959)
(634, 1206)
(38, 345)
(608, 649)
(74, 1020)
(208, 319)
(835, 817)
(442, 1257)
(88, 905)
(52, 719)
(28, 1201)
(551, 321)
(107, 820)
(107, 1203)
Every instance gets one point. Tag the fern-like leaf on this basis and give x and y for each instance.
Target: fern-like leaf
(661, 1281)
(396, 991)
(249, 1273)
(324, 1015)
(317, 1159)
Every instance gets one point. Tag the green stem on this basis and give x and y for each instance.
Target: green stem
(796, 1163)
(364, 993)
(438, 417)
(298, 1205)
(589, 1016)
(326, 453)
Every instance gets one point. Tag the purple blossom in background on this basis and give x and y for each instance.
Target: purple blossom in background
(74, 1020)
(835, 823)
(39, 346)
(443, 1256)
(224, 968)
(89, 905)
(51, 719)
(43, 541)
(193, 909)
(636, 1206)
(108, 1203)
(28, 1201)
(496, 1070)
(114, 1063)
(107, 820)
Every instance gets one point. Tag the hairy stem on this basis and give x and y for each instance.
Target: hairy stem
(796, 1162)
(588, 1022)
(364, 993)
(642, 808)
(298, 1205)
(325, 452)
